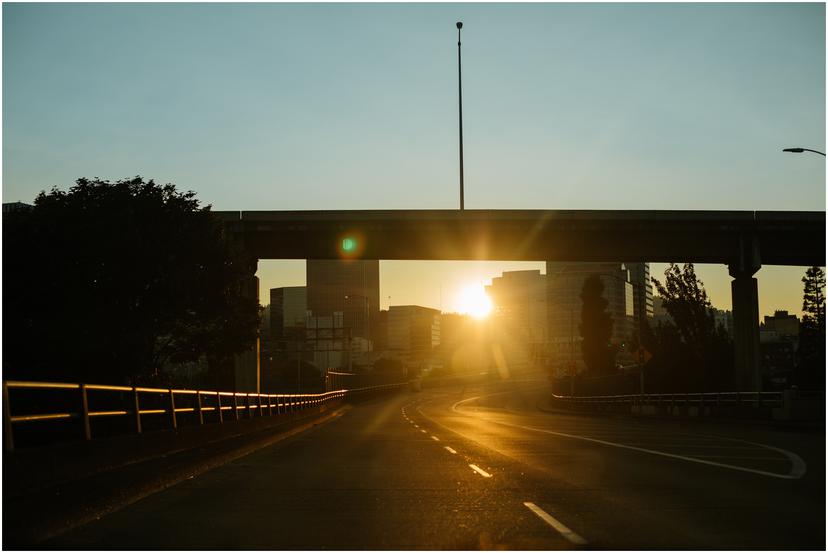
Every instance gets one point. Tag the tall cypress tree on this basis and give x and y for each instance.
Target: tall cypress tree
(596, 327)
(811, 373)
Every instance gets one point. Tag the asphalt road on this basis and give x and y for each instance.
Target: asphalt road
(484, 467)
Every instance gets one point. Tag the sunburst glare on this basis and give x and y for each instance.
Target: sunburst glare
(475, 302)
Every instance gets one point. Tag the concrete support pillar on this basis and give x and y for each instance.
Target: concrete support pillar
(247, 370)
(745, 294)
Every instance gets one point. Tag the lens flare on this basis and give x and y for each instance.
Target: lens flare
(475, 302)
(348, 244)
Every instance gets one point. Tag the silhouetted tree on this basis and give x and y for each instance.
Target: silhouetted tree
(596, 327)
(811, 371)
(692, 351)
(111, 282)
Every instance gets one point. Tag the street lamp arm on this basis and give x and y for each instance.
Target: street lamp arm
(800, 150)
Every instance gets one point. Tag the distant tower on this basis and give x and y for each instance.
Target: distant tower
(642, 291)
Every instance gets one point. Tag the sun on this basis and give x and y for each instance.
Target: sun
(475, 302)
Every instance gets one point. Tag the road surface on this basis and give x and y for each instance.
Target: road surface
(484, 467)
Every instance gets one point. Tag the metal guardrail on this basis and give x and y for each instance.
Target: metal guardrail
(203, 403)
(707, 399)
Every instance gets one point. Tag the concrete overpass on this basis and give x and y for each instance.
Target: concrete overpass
(742, 240)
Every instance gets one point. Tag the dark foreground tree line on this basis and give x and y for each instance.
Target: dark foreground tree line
(122, 282)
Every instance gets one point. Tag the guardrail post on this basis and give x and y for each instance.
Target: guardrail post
(236, 405)
(249, 409)
(172, 410)
(269, 405)
(8, 441)
(198, 408)
(137, 406)
(218, 406)
(87, 429)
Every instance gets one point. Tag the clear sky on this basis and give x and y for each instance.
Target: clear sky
(354, 106)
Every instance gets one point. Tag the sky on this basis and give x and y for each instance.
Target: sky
(354, 106)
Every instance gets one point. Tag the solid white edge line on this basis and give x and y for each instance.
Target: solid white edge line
(797, 472)
(798, 468)
(480, 471)
(450, 450)
(555, 523)
(435, 438)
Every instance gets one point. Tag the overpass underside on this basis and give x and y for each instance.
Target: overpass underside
(742, 240)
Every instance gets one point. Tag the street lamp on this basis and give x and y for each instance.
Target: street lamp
(460, 111)
(800, 150)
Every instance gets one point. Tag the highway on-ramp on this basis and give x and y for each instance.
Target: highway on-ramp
(490, 466)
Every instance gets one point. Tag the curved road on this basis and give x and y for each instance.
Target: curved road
(486, 467)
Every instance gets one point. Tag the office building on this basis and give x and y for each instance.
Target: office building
(288, 310)
(414, 335)
(783, 323)
(350, 287)
(519, 319)
(565, 282)
(724, 319)
(642, 291)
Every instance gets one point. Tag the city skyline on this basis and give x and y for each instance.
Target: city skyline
(440, 284)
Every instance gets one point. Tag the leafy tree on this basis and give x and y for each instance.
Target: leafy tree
(113, 282)
(685, 299)
(811, 372)
(596, 327)
(692, 352)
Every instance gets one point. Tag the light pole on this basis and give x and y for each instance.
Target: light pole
(460, 111)
(800, 150)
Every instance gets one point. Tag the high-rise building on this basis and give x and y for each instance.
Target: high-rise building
(414, 334)
(565, 282)
(642, 291)
(520, 316)
(347, 286)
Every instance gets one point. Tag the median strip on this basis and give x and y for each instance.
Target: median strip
(556, 524)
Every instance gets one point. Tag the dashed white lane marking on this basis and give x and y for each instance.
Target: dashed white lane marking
(423, 431)
(435, 438)
(416, 426)
(556, 524)
(450, 450)
(480, 471)
(798, 466)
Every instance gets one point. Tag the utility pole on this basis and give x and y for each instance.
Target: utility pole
(460, 100)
